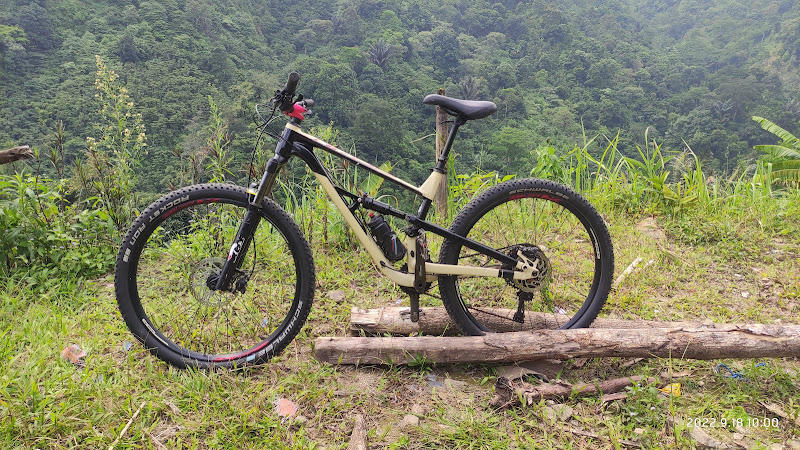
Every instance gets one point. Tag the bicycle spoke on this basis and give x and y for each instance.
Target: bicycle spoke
(541, 228)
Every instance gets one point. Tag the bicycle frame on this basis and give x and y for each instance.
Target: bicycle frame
(294, 142)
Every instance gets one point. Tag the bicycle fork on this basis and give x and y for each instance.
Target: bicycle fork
(231, 270)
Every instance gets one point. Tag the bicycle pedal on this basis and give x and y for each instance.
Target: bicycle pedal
(407, 313)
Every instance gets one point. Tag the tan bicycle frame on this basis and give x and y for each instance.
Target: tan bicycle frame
(428, 188)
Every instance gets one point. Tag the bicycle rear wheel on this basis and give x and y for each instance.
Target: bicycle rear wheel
(550, 225)
(166, 270)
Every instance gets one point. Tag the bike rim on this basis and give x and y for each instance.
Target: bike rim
(562, 233)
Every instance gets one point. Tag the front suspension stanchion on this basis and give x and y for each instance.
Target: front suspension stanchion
(241, 243)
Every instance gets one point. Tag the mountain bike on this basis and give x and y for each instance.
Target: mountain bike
(218, 275)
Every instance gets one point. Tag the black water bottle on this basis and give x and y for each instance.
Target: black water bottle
(386, 238)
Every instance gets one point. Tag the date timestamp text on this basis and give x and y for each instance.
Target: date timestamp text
(724, 422)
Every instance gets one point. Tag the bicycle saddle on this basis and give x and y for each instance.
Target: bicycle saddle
(471, 109)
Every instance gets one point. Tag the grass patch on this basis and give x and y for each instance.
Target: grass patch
(725, 251)
(47, 402)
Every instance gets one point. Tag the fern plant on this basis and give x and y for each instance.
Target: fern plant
(786, 168)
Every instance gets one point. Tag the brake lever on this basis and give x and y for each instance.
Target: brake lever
(282, 98)
(279, 98)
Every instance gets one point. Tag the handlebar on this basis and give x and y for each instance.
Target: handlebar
(285, 97)
(286, 101)
(291, 83)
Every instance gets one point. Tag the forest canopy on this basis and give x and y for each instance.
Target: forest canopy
(689, 72)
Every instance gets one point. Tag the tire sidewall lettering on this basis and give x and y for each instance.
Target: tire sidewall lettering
(136, 234)
(539, 191)
(167, 206)
(158, 212)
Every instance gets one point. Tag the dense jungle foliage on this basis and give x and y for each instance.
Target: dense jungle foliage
(689, 70)
(643, 106)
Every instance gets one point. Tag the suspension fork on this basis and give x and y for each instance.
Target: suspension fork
(247, 230)
(283, 152)
(242, 241)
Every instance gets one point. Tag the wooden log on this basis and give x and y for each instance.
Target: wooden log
(394, 320)
(435, 321)
(512, 394)
(702, 342)
(15, 154)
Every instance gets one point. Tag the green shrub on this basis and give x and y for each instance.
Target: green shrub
(44, 237)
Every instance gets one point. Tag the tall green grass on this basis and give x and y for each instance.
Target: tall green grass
(673, 185)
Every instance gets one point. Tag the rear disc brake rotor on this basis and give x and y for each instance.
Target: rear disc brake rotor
(542, 270)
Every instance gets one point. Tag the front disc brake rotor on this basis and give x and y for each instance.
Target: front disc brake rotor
(201, 275)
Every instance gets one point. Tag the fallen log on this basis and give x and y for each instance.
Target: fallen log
(435, 321)
(508, 393)
(358, 439)
(15, 154)
(696, 342)
(393, 320)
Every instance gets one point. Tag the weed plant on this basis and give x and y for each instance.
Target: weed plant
(45, 240)
(696, 208)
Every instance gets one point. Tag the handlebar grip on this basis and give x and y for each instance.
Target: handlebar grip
(291, 83)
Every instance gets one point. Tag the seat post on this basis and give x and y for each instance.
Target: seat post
(441, 163)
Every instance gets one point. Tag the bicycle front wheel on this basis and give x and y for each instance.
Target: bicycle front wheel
(551, 226)
(167, 269)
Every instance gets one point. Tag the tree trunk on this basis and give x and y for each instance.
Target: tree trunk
(440, 199)
(15, 154)
(434, 321)
(691, 342)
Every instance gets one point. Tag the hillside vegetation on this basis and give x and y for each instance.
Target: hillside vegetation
(690, 71)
